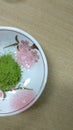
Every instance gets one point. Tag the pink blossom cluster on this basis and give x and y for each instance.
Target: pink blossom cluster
(26, 56)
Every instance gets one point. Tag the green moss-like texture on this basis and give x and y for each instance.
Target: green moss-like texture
(10, 72)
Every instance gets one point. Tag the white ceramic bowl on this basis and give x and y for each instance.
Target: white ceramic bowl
(34, 70)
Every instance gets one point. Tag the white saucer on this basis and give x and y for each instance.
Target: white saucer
(34, 70)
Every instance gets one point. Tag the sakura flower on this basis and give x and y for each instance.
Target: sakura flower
(21, 98)
(26, 55)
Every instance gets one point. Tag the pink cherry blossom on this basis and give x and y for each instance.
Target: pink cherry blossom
(21, 99)
(25, 55)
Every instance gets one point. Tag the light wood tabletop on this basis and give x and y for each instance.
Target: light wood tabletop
(50, 22)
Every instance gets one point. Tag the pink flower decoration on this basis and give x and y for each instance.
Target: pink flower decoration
(1, 94)
(23, 44)
(21, 99)
(25, 55)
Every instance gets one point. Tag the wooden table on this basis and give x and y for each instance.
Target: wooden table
(51, 23)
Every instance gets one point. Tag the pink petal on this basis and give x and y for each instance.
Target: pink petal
(25, 55)
(1, 94)
(25, 42)
(22, 98)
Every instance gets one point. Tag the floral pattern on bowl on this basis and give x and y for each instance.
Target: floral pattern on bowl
(21, 99)
(26, 55)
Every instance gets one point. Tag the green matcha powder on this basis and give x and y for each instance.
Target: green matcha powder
(10, 72)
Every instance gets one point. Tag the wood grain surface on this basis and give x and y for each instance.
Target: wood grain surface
(51, 23)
